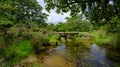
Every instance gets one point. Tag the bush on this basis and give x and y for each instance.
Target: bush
(39, 41)
(20, 31)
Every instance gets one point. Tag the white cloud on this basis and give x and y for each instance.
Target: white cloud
(53, 16)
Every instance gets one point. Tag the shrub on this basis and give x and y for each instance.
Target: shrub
(19, 31)
(39, 41)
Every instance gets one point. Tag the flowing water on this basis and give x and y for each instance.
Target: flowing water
(63, 56)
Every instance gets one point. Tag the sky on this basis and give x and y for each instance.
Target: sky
(53, 16)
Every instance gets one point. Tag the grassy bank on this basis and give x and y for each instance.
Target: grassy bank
(101, 37)
(19, 42)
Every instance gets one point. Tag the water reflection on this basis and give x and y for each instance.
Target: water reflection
(98, 53)
(62, 47)
(94, 57)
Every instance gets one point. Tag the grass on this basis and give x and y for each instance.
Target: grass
(100, 37)
(14, 53)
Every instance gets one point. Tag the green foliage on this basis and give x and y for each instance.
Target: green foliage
(5, 22)
(29, 10)
(74, 24)
(81, 41)
(39, 41)
(14, 53)
(54, 39)
(101, 37)
(95, 10)
(60, 27)
(22, 12)
(112, 35)
(99, 12)
(17, 33)
(114, 26)
(6, 10)
(51, 27)
(115, 41)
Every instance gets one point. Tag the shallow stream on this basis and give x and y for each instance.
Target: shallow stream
(64, 56)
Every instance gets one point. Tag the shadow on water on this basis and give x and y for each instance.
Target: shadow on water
(94, 57)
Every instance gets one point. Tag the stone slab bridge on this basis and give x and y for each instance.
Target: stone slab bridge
(67, 34)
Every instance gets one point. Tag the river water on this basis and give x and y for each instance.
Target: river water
(63, 56)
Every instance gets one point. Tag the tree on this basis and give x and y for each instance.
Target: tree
(98, 11)
(22, 11)
(74, 24)
(6, 10)
(29, 10)
(6, 16)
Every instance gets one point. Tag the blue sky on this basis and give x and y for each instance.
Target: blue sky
(53, 16)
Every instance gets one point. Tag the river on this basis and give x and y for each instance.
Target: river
(63, 56)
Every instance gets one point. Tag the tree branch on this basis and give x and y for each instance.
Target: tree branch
(113, 14)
